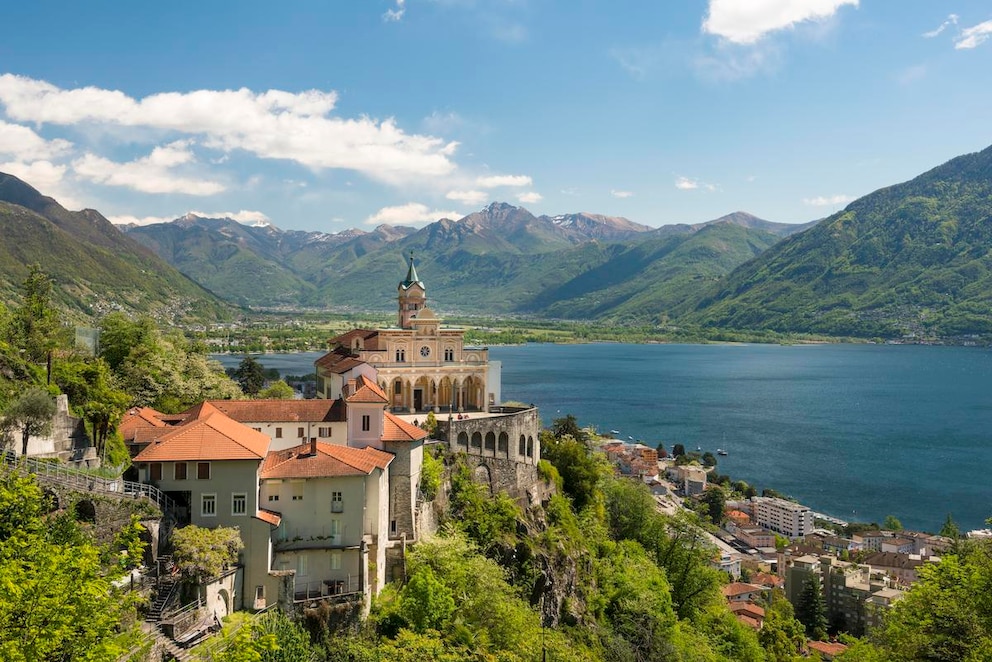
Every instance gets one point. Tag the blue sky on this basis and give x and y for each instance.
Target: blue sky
(331, 115)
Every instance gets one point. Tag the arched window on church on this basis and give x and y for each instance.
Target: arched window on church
(463, 439)
(490, 441)
(530, 446)
(449, 354)
(523, 446)
(400, 355)
(503, 445)
(476, 440)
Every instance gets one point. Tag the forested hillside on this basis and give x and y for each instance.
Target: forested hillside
(915, 258)
(96, 269)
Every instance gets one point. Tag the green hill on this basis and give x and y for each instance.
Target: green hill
(908, 259)
(96, 269)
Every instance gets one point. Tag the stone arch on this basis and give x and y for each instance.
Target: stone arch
(522, 448)
(503, 443)
(530, 446)
(491, 441)
(463, 439)
(483, 475)
(86, 511)
(477, 440)
(223, 606)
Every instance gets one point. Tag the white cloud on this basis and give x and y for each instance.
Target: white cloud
(47, 177)
(530, 198)
(23, 143)
(149, 174)
(271, 125)
(730, 61)
(952, 19)
(622, 194)
(468, 197)
(411, 212)
(686, 184)
(828, 200)
(396, 13)
(747, 21)
(246, 216)
(974, 36)
(495, 181)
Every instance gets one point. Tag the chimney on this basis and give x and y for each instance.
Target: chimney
(313, 445)
(352, 387)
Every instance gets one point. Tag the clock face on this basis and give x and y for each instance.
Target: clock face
(425, 351)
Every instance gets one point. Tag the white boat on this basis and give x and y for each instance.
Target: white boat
(720, 451)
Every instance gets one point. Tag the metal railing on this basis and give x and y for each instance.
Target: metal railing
(328, 588)
(54, 472)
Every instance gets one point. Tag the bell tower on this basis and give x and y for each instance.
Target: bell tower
(412, 296)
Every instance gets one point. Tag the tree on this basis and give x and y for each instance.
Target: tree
(36, 323)
(277, 390)
(250, 376)
(811, 610)
(32, 413)
(202, 554)
(568, 426)
(678, 450)
(781, 635)
(426, 603)
(57, 600)
(891, 523)
(708, 459)
(430, 423)
(950, 528)
(715, 500)
(580, 469)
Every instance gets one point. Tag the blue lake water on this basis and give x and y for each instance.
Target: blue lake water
(856, 431)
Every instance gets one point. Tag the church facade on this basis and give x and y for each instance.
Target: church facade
(420, 364)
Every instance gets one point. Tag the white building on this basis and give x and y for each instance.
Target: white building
(791, 519)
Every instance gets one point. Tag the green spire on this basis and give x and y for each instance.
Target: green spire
(411, 275)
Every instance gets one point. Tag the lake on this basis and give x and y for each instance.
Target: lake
(855, 431)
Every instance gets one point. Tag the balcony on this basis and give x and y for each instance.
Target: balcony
(339, 589)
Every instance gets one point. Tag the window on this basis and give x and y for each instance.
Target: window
(278, 433)
(336, 559)
(273, 497)
(490, 441)
(155, 471)
(301, 565)
(522, 450)
(530, 446)
(503, 445)
(366, 423)
(179, 473)
(208, 505)
(301, 433)
(298, 491)
(476, 440)
(400, 355)
(203, 471)
(239, 504)
(449, 354)
(392, 526)
(324, 432)
(337, 502)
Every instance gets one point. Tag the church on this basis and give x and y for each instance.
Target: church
(420, 364)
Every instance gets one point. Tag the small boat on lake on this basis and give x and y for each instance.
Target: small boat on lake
(720, 451)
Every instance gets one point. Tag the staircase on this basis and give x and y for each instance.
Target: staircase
(163, 643)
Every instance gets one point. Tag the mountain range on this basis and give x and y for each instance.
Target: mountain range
(500, 259)
(909, 259)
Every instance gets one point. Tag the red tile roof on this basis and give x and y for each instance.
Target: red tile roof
(738, 588)
(260, 411)
(749, 621)
(138, 420)
(269, 516)
(330, 460)
(338, 360)
(368, 391)
(213, 437)
(748, 608)
(828, 648)
(370, 338)
(396, 429)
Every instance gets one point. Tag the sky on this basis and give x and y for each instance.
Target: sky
(324, 116)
